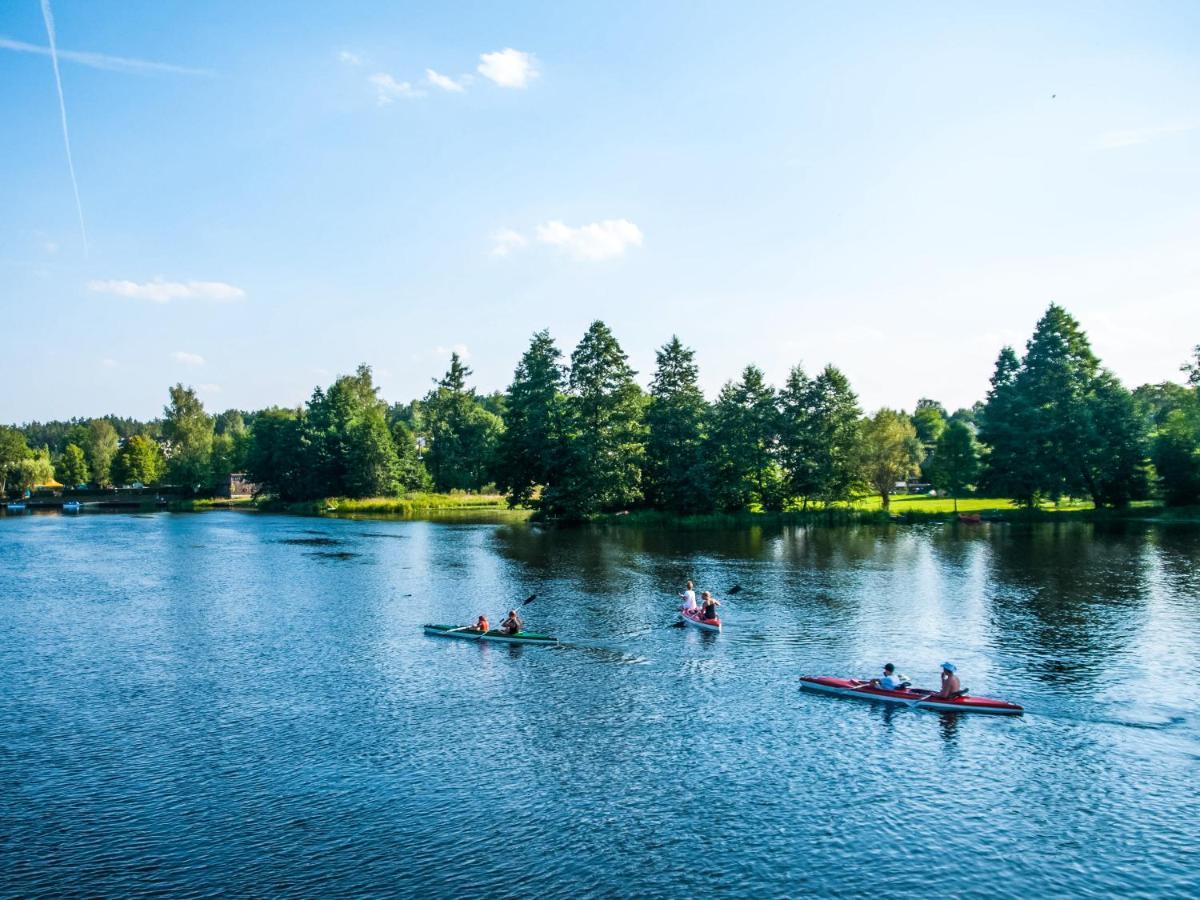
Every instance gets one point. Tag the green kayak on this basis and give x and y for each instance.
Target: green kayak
(464, 634)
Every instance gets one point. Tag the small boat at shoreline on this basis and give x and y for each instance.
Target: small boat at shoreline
(970, 518)
(16, 506)
(71, 506)
(915, 698)
(463, 633)
(693, 618)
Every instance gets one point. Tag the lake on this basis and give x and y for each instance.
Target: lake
(231, 702)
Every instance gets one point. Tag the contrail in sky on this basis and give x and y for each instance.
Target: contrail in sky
(62, 108)
(103, 61)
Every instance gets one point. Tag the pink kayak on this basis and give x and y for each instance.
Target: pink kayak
(692, 617)
(917, 698)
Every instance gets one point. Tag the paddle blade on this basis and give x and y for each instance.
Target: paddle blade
(529, 599)
(736, 589)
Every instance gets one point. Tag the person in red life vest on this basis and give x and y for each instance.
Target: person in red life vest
(481, 625)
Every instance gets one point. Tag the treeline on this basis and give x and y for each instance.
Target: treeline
(577, 437)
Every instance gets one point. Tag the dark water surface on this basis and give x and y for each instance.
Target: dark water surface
(192, 704)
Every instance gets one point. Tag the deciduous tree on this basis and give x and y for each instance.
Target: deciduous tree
(890, 451)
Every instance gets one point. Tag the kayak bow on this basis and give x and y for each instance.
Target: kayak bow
(916, 698)
(458, 631)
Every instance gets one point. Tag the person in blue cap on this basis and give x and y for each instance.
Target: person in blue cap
(951, 686)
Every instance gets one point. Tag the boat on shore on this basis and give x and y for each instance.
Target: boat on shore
(15, 506)
(692, 618)
(464, 633)
(71, 506)
(915, 698)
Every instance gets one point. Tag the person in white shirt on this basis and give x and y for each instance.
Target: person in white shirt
(689, 598)
(890, 680)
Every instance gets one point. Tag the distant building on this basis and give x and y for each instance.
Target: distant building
(238, 486)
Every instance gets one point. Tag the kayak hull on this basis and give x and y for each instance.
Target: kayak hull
(493, 636)
(695, 621)
(915, 698)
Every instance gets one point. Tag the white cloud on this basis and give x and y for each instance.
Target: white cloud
(350, 59)
(100, 61)
(594, 242)
(505, 241)
(208, 388)
(388, 88)
(445, 82)
(108, 363)
(50, 246)
(1133, 136)
(159, 291)
(508, 67)
(188, 359)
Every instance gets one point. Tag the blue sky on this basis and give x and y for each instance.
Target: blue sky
(295, 188)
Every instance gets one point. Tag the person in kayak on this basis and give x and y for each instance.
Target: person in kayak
(709, 609)
(689, 598)
(481, 625)
(890, 681)
(512, 623)
(951, 686)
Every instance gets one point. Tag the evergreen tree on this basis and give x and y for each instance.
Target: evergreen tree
(1011, 468)
(954, 464)
(463, 435)
(819, 436)
(604, 448)
(1060, 425)
(346, 442)
(411, 472)
(745, 444)
(372, 467)
(190, 431)
(275, 455)
(72, 468)
(890, 452)
(531, 449)
(676, 476)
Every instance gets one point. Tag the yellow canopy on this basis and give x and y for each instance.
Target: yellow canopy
(48, 484)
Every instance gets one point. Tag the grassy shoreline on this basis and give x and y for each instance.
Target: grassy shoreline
(904, 509)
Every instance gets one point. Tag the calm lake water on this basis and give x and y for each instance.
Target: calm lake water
(200, 703)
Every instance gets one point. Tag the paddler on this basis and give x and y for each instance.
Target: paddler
(951, 686)
(481, 625)
(689, 598)
(512, 623)
(890, 681)
(709, 609)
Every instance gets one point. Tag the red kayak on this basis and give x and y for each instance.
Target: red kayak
(917, 698)
(692, 617)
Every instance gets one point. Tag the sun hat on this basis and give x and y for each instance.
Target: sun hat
(949, 666)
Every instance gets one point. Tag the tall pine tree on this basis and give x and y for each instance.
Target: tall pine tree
(604, 435)
(530, 450)
(677, 476)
